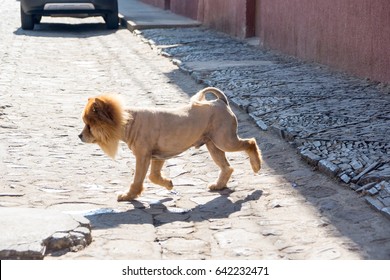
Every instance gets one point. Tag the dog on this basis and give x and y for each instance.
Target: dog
(155, 135)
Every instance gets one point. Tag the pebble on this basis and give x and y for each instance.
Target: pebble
(356, 164)
(345, 178)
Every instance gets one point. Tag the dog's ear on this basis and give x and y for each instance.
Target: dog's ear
(103, 110)
(98, 104)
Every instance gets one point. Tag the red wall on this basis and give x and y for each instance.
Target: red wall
(352, 35)
(188, 8)
(158, 3)
(226, 15)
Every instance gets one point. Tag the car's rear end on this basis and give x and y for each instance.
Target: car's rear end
(32, 10)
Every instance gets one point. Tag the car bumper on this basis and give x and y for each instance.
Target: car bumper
(68, 7)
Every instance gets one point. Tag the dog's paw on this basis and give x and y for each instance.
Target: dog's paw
(256, 166)
(169, 185)
(255, 161)
(216, 187)
(126, 197)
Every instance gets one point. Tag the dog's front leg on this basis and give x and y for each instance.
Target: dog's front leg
(136, 188)
(156, 176)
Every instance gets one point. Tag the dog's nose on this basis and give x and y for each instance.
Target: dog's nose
(81, 136)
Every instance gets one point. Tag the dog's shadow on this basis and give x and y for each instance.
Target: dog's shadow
(158, 214)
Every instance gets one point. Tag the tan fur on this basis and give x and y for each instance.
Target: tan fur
(155, 135)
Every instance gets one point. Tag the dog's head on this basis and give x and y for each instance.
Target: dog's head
(104, 118)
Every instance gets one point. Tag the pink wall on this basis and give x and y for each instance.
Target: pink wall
(352, 35)
(226, 15)
(157, 3)
(188, 8)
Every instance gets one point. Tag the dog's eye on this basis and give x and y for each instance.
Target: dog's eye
(88, 127)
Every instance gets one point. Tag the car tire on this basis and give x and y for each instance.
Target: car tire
(37, 19)
(112, 20)
(27, 21)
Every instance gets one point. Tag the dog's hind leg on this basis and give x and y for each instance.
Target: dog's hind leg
(226, 139)
(155, 174)
(254, 154)
(226, 170)
(136, 188)
(235, 144)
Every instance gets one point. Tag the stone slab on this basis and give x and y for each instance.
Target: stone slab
(310, 157)
(222, 64)
(29, 233)
(137, 15)
(328, 167)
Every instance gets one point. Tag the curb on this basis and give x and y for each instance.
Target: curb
(133, 26)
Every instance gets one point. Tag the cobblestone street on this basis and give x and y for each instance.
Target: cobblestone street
(287, 211)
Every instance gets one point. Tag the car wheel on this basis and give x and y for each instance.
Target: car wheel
(112, 20)
(37, 19)
(26, 20)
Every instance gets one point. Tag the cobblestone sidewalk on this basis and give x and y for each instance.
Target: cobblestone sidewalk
(339, 124)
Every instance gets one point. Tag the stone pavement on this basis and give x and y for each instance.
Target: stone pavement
(136, 15)
(338, 123)
(288, 211)
(29, 233)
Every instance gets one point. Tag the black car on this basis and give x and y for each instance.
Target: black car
(31, 11)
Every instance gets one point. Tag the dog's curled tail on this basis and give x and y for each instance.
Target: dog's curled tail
(201, 95)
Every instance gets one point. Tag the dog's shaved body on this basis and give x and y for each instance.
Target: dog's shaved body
(155, 135)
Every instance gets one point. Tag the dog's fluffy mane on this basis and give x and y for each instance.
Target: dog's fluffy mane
(107, 117)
